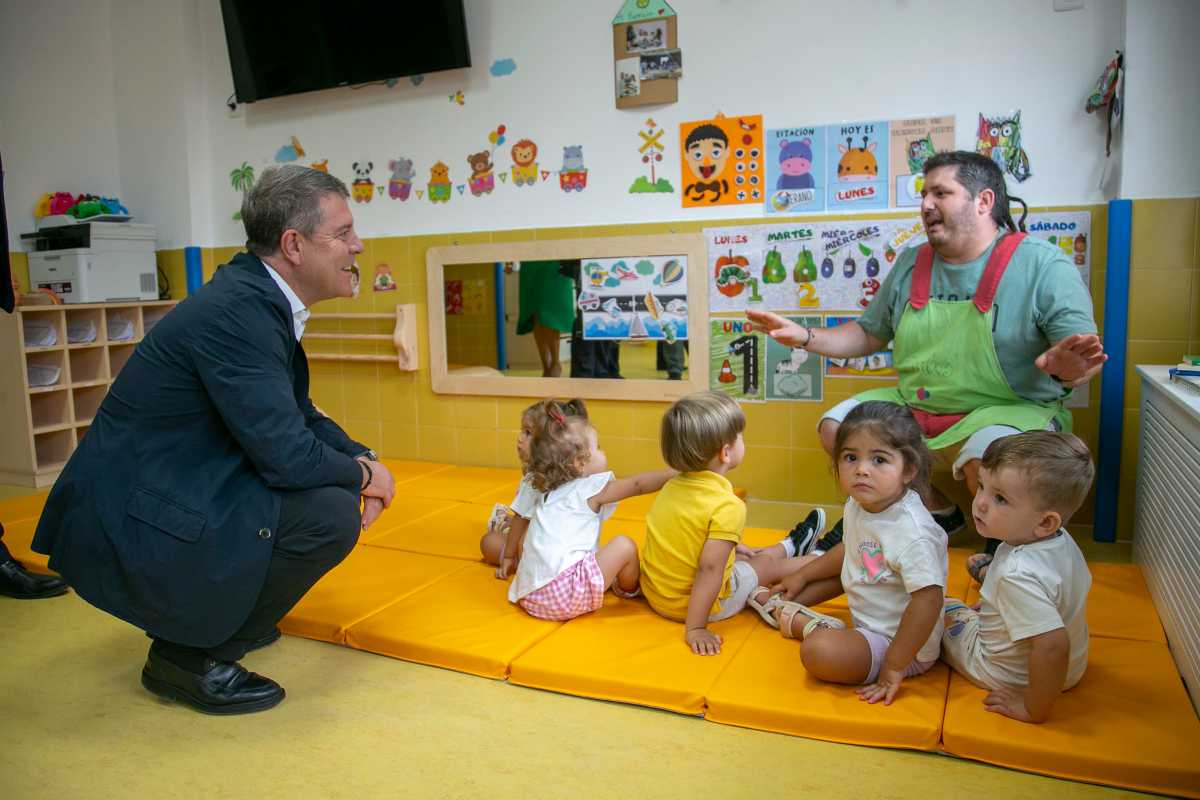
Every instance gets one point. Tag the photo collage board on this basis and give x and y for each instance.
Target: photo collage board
(822, 274)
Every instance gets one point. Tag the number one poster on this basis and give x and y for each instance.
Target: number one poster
(735, 359)
(793, 373)
(858, 166)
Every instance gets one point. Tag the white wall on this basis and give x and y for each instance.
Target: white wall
(58, 121)
(127, 97)
(1162, 99)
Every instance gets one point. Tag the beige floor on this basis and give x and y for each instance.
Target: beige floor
(75, 723)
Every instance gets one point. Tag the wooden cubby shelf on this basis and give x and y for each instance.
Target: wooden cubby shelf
(74, 342)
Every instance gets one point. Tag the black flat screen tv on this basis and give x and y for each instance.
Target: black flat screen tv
(303, 45)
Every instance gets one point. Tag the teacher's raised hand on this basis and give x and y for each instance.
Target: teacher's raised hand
(780, 329)
(1074, 360)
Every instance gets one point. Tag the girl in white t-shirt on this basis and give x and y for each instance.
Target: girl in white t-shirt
(891, 564)
(498, 547)
(563, 572)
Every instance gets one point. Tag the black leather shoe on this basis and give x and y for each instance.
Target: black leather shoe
(225, 688)
(264, 641)
(18, 582)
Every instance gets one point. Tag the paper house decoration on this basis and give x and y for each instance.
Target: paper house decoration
(646, 57)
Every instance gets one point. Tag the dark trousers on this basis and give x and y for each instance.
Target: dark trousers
(317, 529)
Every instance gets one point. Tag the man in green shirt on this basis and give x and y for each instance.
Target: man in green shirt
(992, 329)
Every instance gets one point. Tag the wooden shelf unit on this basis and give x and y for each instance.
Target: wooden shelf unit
(43, 424)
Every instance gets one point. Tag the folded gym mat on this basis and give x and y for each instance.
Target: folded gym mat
(765, 687)
(22, 507)
(1127, 723)
(462, 622)
(464, 483)
(404, 470)
(452, 532)
(1119, 605)
(18, 536)
(369, 579)
(404, 511)
(626, 652)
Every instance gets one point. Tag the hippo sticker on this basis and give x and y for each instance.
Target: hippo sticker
(795, 163)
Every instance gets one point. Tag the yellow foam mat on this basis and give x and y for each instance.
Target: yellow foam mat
(1127, 723)
(626, 652)
(403, 512)
(18, 536)
(403, 470)
(451, 532)
(1119, 605)
(17, 509)
(765, 687)
(368, 580)
(464, 483)
(462, 622)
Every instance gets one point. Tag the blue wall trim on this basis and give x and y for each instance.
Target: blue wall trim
(192, 269)
(1112, 381)
(501, 354)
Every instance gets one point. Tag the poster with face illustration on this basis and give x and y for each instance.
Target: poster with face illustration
(857, 165)
(912, 142)
(721, 161)
(795, 164)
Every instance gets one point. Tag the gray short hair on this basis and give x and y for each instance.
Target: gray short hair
(282, 198)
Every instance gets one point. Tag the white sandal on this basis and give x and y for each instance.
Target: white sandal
(788, 610)
(764, 609)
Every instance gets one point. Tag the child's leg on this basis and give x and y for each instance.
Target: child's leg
(772, 570)
(835, 656)
(960, 643)
(618, 562)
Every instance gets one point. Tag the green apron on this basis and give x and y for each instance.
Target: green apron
(947, 362)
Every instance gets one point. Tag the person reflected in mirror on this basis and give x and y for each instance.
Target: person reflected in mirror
(546, 309)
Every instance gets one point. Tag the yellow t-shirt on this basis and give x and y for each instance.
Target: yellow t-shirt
(691, 509)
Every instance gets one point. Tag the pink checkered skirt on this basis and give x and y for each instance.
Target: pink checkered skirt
(577, 590)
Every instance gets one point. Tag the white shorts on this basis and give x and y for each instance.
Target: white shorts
(956, 454)
(743, 580)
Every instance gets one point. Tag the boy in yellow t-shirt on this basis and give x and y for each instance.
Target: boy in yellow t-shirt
(689, 573)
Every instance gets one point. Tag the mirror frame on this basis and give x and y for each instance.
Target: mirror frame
(690, 245)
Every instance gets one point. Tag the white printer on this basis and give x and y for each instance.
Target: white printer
(94, 262)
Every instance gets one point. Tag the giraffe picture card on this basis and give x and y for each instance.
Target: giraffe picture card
(857, 165)
(913, 141)
(721, 161)
(793, 373)
(795, 162)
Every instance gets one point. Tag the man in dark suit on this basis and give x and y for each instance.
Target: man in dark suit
(209, 493)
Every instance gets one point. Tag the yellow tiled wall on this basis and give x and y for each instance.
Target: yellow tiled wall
(471, 335)
(785, 467)
(1164, 313)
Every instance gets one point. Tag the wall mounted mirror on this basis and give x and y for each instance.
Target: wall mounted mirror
(617, 318)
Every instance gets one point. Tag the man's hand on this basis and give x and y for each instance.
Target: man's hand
(382, 484)
(884, 688)
(371, 509)
(1008, 703)
(1074, 360)
(778, 328)
(703, 641)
